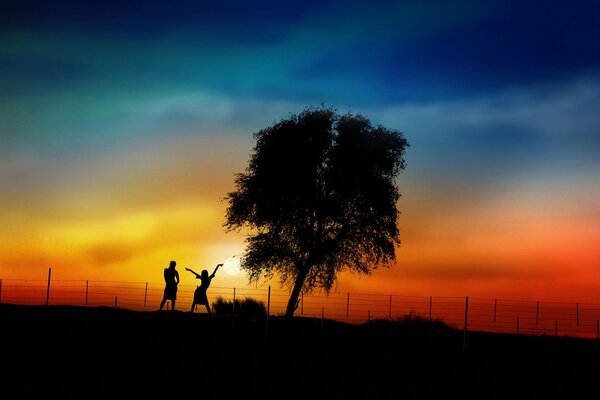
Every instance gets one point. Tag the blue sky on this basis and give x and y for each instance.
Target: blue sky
(98, 58)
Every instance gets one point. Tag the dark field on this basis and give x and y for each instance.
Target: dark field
(75, 352)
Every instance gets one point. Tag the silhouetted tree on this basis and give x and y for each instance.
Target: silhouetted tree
(319, 196)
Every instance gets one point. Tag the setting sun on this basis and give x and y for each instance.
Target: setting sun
(231, 266)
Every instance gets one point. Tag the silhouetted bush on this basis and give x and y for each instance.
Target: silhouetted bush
(246, 308)
(422, 324)
(410, 324)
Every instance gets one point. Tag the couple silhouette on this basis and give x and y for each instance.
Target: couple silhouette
(172, 280)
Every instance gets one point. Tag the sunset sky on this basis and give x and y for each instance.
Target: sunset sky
(122, 125)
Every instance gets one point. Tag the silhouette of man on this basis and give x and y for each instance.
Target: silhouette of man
(171, 281)
(200, 293)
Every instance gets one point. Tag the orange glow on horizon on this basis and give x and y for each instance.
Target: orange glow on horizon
(127, 223)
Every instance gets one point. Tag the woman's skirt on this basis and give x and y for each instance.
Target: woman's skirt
(170, 292)
(200, 296)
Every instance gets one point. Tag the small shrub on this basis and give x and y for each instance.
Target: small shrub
(246, 308)
(411, 324)
(418, 323)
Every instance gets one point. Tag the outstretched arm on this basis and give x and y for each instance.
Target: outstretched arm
(197, 276)
(215, 271)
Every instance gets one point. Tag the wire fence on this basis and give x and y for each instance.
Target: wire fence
(475, 314)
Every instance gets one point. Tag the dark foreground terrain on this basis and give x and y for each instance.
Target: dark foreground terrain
(75, 352)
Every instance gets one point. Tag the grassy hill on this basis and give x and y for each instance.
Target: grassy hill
(79, 352)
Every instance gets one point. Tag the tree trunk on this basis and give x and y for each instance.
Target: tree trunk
(293, 301)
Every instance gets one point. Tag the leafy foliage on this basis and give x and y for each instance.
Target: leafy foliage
(318, 196)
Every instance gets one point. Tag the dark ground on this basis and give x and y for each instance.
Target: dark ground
(75, 352)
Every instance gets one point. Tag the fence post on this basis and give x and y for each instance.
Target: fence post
(517, 324)
(48, 289)
(390, 310)
(577, 305)
(495, 304)
(430, 301)
(269, 301)
(145, 294)
(268, 312)
(347, 304)
(466, 320)
(537, 313)
(87, 284)
(233, 304)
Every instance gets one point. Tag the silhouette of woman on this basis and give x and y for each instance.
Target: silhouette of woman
(171, 281)
(200, 293)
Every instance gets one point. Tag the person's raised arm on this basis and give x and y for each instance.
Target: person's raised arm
(215, 271)
(197, 276)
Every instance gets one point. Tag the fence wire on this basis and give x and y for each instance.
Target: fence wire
(484, 314)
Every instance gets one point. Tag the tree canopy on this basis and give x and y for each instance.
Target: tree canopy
(318, 196)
